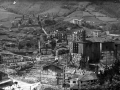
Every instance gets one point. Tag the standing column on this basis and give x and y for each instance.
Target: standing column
(39, 45)
(100, 47)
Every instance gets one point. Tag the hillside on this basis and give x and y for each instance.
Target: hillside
(111, 9)
(34, 6)
(9, 9)
(29, 6)
(40, 6)
(68, 9)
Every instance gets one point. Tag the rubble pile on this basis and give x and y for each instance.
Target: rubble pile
(49, 81)
(76, 59)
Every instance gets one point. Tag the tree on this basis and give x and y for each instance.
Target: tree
(28, 44)
(20, 46)
(50, 22)
(53, 44)
(114, 27)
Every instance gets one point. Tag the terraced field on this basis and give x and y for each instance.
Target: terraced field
(96, 13)
(25, 7)
(110, 8)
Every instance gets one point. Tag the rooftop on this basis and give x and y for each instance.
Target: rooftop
(99, 39)
(87, 77)
(94, 20)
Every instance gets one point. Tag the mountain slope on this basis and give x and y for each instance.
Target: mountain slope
(29, 6)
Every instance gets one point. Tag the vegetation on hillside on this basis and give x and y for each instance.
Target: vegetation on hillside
(108, 7)
(28, 6)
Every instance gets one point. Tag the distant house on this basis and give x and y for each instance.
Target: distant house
(77, 21)
(83, 80)
(89, 77)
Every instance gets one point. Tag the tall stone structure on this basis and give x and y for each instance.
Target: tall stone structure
(1, 60)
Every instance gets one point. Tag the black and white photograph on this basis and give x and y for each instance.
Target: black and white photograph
(59, 44)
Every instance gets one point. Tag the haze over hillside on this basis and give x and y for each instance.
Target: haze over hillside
(58, 7)
(39, 6)
(29, 6)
